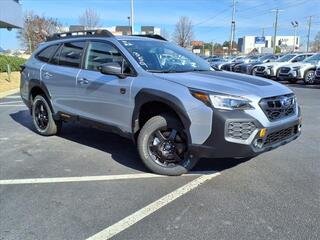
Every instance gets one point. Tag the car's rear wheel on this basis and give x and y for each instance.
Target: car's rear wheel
(42, 117)
(309, 77)
(163, 146)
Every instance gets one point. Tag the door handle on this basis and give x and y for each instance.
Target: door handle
(47, 75)
(83, 81)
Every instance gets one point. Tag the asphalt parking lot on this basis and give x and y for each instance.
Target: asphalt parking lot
(86, 183)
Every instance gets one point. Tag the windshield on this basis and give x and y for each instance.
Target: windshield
(164, 57)
(286, 58)
(262, 58)
(313, 59)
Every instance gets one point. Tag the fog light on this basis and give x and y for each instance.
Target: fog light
(258, 143)
(263, 132)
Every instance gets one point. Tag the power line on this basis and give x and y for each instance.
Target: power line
(213, 17)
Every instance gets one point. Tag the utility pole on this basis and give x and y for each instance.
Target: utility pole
(211, 48)
(309, 28)
(294, 24)
(233, 26)
(262, 32)
(132, 18)
(275, 29)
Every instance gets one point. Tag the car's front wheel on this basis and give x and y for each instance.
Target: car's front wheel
(163, 146)
(42, 117)
(309, 77)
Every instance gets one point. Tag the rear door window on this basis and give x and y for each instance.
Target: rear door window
(46, 54)
(71, 54)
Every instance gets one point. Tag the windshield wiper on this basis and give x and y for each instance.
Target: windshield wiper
(175, 71)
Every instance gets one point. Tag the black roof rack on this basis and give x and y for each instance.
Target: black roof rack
(155, 36)
(75, 34)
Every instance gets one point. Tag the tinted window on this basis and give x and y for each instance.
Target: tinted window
(300, 58)
(71, 54)
(100, 53)
(46, 54)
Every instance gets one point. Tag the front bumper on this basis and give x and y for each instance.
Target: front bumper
(220, 145)
(292, 74)
(267, 73)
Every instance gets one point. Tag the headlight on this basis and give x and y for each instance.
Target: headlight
(296, 68)
(226, 102)
(270, 67)
(230, 102)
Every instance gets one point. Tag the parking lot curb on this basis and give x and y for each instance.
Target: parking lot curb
(7, 93)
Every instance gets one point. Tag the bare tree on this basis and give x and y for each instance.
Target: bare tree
(315, 45)
(183, 32)
(36, 29)
(90, 19)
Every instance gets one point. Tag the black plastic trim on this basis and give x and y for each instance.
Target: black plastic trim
(92, 123)
(146, 95)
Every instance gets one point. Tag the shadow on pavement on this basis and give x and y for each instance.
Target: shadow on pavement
(121, 149)
(301, 85)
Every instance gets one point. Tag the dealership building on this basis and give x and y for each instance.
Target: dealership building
(264, 44)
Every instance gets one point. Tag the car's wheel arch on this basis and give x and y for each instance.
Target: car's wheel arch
(147, 98)
(307, 70)
(37, 88)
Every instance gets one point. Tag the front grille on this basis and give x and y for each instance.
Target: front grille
(278, 107)
(260, 69)
(279, 136)
(240, 130)
(284, 70)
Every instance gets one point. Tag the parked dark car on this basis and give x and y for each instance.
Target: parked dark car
(248, 67)
(230, 66)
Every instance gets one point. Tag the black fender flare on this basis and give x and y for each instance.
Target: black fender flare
(151, 95)
(38, 84)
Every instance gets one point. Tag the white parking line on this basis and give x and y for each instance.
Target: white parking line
(127, 222)
(77, 179)
(13, 97)
(9, 102)
(87, 178)
(12, 105)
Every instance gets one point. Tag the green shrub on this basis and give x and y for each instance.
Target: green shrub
(14, 63)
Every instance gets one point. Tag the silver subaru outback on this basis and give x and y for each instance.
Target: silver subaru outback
(171, 103)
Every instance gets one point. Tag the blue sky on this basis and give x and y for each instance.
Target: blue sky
(211, 18)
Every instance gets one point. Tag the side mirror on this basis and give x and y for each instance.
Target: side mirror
(294, 60)
(112, 68)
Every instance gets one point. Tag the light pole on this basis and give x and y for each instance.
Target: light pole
(132, 17)
(129, 24)
(295, 25)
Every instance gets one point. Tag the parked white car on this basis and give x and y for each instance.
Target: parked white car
(304, 70)
(271, 69)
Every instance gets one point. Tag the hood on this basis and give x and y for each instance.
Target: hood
(274, 64)
(227, 83)
(297, 64)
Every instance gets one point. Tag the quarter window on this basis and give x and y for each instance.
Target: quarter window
(100, 53)
(71, 54)
(46, 54)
